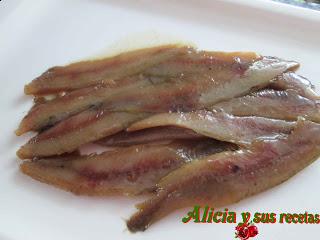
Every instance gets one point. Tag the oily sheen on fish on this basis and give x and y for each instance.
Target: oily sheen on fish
(48, 113)
(129, 170)
(219, 125)
(149, 135)
(228, 177)
(291, 80)
(285, 105)
(222, 76)
(107, 71)
(85, 127)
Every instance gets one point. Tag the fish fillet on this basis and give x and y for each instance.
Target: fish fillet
(48, 113)
(219, 125)
(291, 80)
(67, 136)
(129, 170)
(224, 76)
(149, 135)
(104, 71)
(228, 177)
(285, 105)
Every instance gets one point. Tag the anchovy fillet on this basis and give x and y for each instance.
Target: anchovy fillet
(130, 170)
(228, 177)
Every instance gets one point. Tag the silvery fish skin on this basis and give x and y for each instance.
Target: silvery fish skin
(301, 85)
(85, 127)
(149, 135)
(222, 76)
(130, 170)
(285, 105)
(107, 71)
(231, 176)
(219, 125)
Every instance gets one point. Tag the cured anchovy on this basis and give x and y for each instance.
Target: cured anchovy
(199, 62)
(67, 136)
(219, 125)
(291, 80)
(229, 177)
(104, 71)
(285, 105)
(131, 170)
(48, 113)
(226, 76)
(157, 134)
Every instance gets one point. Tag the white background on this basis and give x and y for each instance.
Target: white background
(35, 35)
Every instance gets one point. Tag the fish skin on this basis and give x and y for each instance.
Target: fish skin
(49, 113)
(204, 89)
(68, 135)
(229, 177)
(102, 71)
(291, 80)
(219, 125)
(269, 103)
(198, 62)
(258, 75)
(186, 92)
(125, 138)
(111, 172)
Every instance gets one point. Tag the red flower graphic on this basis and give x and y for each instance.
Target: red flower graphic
(245, 231)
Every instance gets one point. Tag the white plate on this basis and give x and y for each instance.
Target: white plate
(47, 33)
